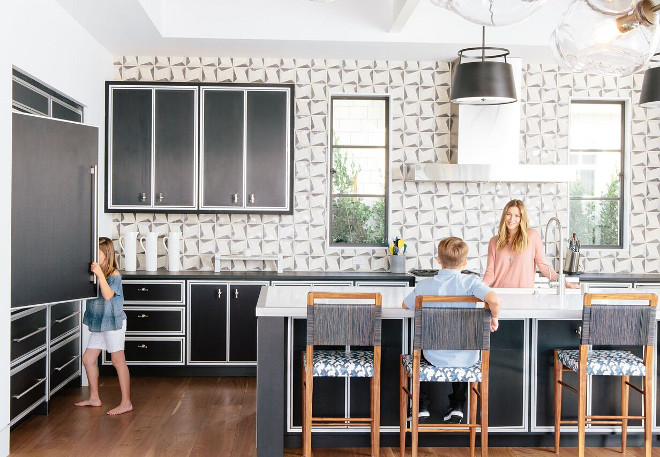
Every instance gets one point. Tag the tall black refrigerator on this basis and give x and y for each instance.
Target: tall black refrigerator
(53, 211)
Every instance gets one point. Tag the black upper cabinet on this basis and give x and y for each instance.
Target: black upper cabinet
(129, 148)
(244, 135)
(222, 148)
(152, 148)
(246, 153)
(267, 167)
(175, 148)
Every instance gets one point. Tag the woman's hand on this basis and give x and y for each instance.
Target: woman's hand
(572, 285)
(96, 269)
(494, 324)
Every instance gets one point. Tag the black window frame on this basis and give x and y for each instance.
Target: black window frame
(386, 147)
(622, 172)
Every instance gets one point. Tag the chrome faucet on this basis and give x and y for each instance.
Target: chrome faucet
(561, 282)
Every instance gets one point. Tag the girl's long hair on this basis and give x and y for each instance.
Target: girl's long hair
(521, 238)
(106, 246)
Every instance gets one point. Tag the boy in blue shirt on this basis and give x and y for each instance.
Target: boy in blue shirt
(452, 256)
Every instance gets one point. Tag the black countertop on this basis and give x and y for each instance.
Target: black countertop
(348, 276)
(269, 275)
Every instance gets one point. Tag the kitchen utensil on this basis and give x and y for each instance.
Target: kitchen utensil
(572, 260)
(128, 244)
(150, 250)
(172, 243)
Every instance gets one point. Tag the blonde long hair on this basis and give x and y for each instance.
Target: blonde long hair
(521, 238)
(106, 246)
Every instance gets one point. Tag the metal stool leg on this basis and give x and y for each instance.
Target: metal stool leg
(559, 375)
(403, 407)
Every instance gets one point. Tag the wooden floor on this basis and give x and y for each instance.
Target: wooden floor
(183, 416)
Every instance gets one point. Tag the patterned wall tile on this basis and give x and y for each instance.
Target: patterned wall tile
(420, 126)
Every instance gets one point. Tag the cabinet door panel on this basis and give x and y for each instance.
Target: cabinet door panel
(175, 144)
(554, 335)
(243, 322)
(51, 211)
(222, 153)
(267, 154)
(208, 323)
(130, 147)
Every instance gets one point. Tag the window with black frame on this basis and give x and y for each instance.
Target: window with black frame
(359, 145)
(597, 148)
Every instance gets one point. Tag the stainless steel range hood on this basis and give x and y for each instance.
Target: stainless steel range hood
(485, 145)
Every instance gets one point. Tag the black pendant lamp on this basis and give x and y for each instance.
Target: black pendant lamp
(650, 96)
(486, 81)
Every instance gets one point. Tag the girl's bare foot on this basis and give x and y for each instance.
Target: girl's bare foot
(121, 409)
(90, 402)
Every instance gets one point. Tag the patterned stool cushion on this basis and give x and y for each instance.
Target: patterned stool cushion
(605, 363)
(432, 373)
(352, 364)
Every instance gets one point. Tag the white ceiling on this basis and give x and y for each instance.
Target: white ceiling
(341, 29)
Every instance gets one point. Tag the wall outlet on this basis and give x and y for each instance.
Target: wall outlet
(359, 261)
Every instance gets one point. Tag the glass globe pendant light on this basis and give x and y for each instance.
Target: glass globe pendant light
(492, 12)
(485, 81)
(617, 43)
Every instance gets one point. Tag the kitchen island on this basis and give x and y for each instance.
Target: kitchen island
(532, 324)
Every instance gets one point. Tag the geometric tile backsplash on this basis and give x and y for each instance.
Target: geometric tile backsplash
(421, 213)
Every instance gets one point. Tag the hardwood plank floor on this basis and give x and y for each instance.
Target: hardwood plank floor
(189, 417)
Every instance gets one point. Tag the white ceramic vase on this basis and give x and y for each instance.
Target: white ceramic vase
(150, 250)
(128, 244)
(172, 243)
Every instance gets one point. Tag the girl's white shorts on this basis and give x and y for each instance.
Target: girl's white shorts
(111, 340)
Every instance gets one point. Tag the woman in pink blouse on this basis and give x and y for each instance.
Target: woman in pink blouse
(516, 251)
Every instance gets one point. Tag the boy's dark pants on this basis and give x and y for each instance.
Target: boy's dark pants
(456, 398)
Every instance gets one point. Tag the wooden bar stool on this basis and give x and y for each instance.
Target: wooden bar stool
(342, 324)
(617, 325)
(446, 329)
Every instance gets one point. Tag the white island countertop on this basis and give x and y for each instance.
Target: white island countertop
(290, 301)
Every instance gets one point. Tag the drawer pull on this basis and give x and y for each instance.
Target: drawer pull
(142, 316)
(236, 293)
(59, 321)
(18, 340)
(68, 363)
(143, 289)
(219, 293)
(17, 397)
(142, 346)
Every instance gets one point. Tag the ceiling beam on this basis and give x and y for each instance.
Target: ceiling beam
(403, 9)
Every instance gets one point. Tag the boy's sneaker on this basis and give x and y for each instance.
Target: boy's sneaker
(423, 413)
(454, 416)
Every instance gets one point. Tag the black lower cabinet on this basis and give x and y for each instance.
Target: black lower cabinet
(64, 362)
(243, 322)
(27, 386)
(156, 351)
(553, 335)
(207, 331)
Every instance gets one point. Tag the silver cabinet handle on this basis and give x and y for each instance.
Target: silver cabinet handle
(578, 331)
(234, 198)
(142, 316)
(143, 197)
(236, 293)
(219, 293)
(161, 196)
(68, 363)
(143, 289)
(18, 340)
(142, 346)
(251, 198)
(59, 321)
(94, 170)
(17, 397)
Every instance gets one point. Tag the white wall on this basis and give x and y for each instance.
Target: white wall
(45, 42)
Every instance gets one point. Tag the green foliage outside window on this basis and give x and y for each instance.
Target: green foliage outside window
(595, 225)
(355, 220)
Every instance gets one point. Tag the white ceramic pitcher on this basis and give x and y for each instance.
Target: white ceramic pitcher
(150, 250)
(128, 244)
(172, 243)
